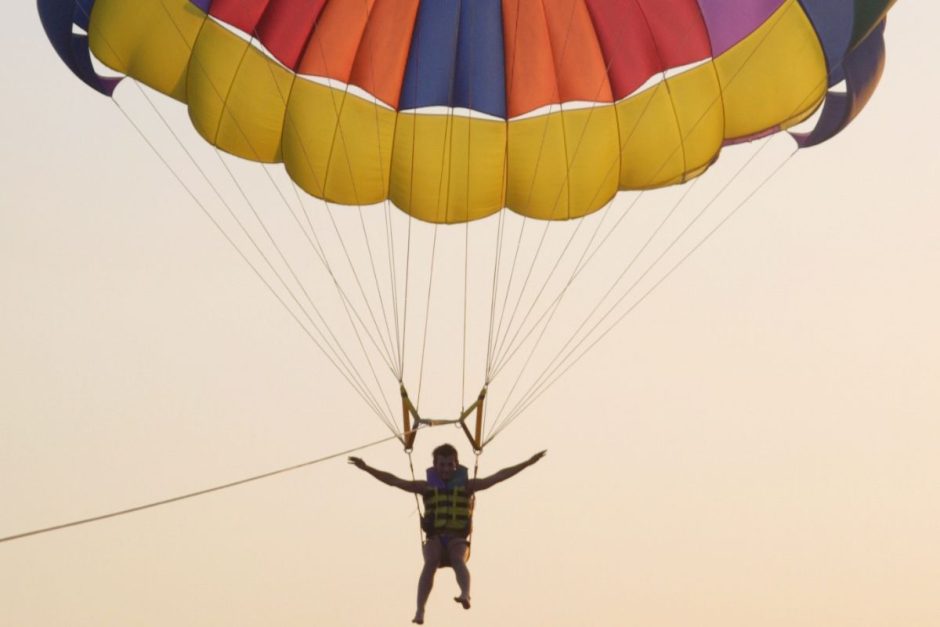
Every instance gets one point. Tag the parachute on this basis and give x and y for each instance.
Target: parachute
(506, 113)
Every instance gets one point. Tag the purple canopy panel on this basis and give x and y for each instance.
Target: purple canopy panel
(730, 21)
(753, 137)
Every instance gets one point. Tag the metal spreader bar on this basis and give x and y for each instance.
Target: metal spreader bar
(412, 421)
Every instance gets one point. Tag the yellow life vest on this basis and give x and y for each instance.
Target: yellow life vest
(447, 511)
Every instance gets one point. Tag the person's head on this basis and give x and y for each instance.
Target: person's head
(445, 461)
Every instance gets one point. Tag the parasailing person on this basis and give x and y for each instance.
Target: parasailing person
(448, 495)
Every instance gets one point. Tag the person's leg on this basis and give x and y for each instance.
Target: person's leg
(432, 557)
(457, 550)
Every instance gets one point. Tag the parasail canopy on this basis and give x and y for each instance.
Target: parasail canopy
(453, 110)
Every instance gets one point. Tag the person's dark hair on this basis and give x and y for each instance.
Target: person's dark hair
(444, 450)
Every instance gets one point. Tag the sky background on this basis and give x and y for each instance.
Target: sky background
(757, 443)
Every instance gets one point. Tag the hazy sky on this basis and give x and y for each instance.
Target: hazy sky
(756, 444)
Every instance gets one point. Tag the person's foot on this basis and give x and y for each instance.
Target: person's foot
(418, 620)
(464, 601)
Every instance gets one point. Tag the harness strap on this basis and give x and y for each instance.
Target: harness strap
(473, 497)
(417, 500)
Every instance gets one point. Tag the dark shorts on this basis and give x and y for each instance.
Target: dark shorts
(445, 540)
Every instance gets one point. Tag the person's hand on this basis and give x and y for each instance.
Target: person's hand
(357, 462)
(537, 457)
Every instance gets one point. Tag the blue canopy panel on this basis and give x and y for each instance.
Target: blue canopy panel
(83, 13)
(863, 67)
(456, 57)
(59, 17)
(834, 22)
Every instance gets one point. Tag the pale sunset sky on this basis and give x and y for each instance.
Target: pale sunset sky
(757, 444)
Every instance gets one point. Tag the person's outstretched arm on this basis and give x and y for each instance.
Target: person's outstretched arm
(417, 487)
(475, 485)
